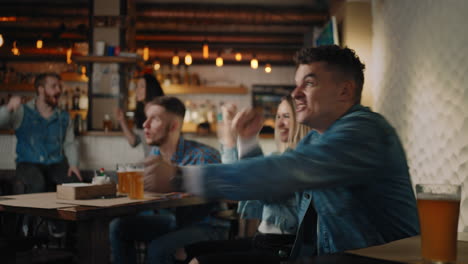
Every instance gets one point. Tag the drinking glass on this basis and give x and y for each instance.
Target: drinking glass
(122, 186)
(135, 175)
(438, 207)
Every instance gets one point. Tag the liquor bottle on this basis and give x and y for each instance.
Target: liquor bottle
(83, 101)
(76, 99)
(107, 123)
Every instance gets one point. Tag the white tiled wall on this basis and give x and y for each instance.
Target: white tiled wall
(420, 83)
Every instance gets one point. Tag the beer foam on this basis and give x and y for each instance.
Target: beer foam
(438, 197)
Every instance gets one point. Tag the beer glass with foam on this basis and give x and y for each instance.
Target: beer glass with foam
(438, 207)
(135, 175)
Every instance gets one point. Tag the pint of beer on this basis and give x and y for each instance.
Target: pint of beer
(135, 176)
(438, 206)
(122, 186)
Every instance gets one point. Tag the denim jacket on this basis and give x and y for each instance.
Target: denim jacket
(282, 214)
(40, 140)
(353, 179)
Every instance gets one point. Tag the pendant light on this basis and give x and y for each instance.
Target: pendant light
(206, 50)
(156, 65)
(39, 43)
(188, 58)
(268, 68)
(175, 58)
(69, 54)
(238, 56)
(219, 60)
(254, 62)
(146, 53)
(15, 49)
(1, 40)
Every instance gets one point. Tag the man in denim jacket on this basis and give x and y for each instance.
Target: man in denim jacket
(351, 170)
(46, 151)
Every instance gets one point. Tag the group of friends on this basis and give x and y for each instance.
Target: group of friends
(339, 179)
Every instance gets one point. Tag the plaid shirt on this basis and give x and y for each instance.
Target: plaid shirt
(191, 153)
(194, 153)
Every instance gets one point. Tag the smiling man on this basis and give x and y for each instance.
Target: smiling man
(350, 171)
(46, 152)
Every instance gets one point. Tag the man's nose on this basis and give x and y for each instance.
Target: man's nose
(296, 93)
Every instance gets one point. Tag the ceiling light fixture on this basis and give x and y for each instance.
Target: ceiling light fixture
(39, 43)
(146, 53)
(188, 58)
(254, 62)
(69, 54)
(1, 40)
(268, 68)
(219, 60)
(238, 56)
(206, 50)
(15, 49)
(175, 58)
(156, 65)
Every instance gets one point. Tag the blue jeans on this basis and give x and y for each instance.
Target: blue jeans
(161, 234)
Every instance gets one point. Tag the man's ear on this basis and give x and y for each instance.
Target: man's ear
(40, 90)
(176, 125)
(347, 90)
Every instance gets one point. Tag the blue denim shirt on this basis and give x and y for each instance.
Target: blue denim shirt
(282, 214)
(354, 177)
(40, 140)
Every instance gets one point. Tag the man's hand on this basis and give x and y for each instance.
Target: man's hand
(158, 175)
(119, 115)
(14, 103)
(227, 135)
(76, 171)
(248, 123)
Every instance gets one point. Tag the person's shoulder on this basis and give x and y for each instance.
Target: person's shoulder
(363, 121)
(202, 151)
(359, 115)
(199, 147)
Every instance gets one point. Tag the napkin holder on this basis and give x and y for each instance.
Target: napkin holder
(77, 191)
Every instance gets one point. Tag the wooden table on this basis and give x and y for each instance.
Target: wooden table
(93, 222)
(402, 251)
(408, 250)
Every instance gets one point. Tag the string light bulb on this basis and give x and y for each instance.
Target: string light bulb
(1, 40)
(219, 60)
(69, 54)
(146, 53)
(188, 58)
(254, 62)
(156, 65)
(206, 50)
(15, 49)
(268, 68)
(238, 56)
(175, 58)
(39, 44)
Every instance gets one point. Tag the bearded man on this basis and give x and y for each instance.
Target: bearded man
(46, 150)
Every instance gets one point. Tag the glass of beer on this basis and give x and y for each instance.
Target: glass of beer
(438, 207)
(135, 175)
(122, 186)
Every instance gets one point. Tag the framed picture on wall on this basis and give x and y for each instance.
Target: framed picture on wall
(266, 97)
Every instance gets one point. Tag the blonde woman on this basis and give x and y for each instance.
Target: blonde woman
(279, 221)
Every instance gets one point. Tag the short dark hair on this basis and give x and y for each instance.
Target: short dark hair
(41, 79)
(343, 60)
(153, 88)
(171, 104)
